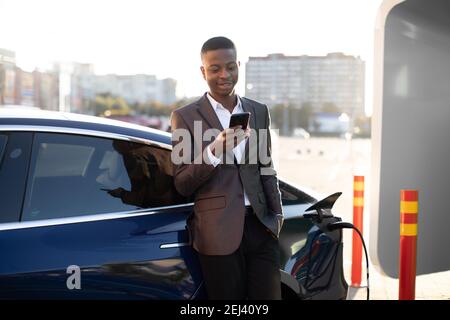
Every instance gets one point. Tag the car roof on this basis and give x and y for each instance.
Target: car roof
(20, 116)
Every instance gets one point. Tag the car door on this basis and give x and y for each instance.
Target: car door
(100, 219)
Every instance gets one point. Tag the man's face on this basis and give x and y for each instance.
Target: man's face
(220, 70)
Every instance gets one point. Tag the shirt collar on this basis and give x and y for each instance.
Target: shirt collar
(216, 104)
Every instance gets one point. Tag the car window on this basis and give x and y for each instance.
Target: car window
(15, 148)
(76, 159)
(3, 139)
(72, 175)
(291, 195)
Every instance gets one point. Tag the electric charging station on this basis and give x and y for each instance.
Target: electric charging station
(411, 131)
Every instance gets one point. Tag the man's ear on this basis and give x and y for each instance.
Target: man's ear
(202, 69)
(239, 63)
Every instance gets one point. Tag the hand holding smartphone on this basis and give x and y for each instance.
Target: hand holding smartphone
(227, 141)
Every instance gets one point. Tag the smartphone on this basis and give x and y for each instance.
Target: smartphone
(240, 119)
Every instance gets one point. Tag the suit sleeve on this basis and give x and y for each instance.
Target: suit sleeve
(269, 175)
(191, 174)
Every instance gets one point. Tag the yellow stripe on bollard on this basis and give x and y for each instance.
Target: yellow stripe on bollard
(409, 206)
(408, 229)
(358, 202)
(358, 186)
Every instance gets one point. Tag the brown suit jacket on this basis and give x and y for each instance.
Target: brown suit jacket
(217, 224)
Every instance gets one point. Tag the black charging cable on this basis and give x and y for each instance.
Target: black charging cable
(346, 225)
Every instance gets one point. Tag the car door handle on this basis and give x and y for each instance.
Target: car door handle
(174, 245)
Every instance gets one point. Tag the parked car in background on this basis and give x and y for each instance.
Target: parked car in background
(301, 133)
(96, 195)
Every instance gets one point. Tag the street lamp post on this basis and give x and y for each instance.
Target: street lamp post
(286, 119)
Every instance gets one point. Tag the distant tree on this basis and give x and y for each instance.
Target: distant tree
(156, 108)
(106, 104)
(100, 104)
(184, 101)
(276, 115)
(305, 114)
(330, 107)
(362, 126)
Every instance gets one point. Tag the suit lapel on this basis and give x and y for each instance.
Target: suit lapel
(207, 112)
(248, 108)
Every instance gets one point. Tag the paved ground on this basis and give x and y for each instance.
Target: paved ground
(327, 165)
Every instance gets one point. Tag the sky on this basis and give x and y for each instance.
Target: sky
(164, 37)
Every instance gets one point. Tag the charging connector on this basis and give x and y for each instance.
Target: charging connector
(346, 225)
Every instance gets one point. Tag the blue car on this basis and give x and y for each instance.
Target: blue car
(89, 211)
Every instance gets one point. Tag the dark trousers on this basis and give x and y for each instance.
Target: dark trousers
(251, 272)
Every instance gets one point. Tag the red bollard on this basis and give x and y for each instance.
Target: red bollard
(358, 207)
(409, 206)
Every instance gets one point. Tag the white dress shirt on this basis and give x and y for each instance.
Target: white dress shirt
(224, 117)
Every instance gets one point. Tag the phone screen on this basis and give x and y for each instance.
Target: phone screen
(240, 119)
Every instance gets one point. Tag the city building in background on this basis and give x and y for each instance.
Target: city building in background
(24, 88)
(140, 88)
(7, 76)
(321, 94)
(335, 78)
(19, 87)
(80, 86)
(46, 90)
(74, 87)
(331, 84)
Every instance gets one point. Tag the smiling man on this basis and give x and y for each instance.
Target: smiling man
(237, 205)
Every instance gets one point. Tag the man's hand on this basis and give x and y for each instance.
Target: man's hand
(228, 139)
(117, 193)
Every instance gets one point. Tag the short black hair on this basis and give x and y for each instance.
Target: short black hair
(217, 43)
